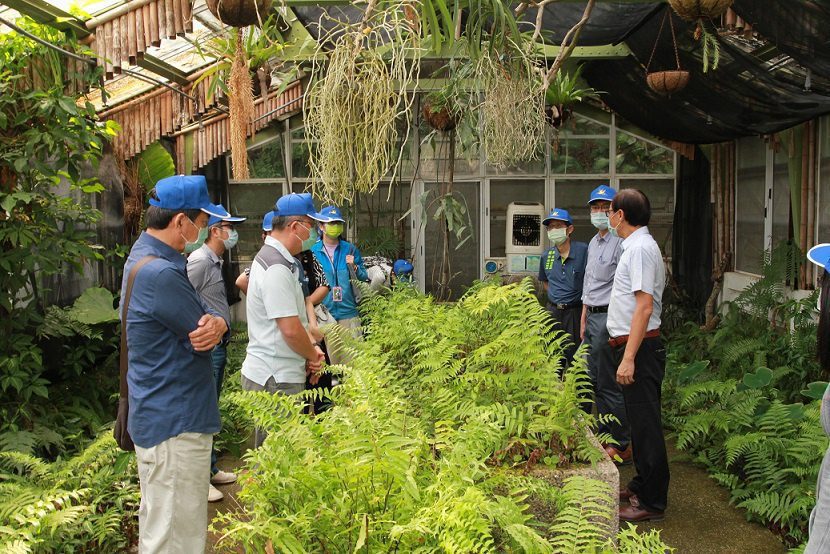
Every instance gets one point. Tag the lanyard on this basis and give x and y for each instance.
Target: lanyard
(333, 261)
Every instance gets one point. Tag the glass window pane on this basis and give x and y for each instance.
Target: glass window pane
(660, 193)
(435, 154)
(635, 155)
(573, 195)
(299, 160)
(464, 261)
(380, 229)
(578, 125)
(267, 161)
(781, 197)
(251, 200)
(749, 230)
(502, 193)
(575, 156)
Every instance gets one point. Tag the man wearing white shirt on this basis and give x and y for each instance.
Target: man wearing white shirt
(634, 327)
(280, 352)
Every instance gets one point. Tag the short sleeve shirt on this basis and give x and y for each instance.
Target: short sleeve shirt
(640, 269)
(204, 269)
(564, 277)
(603, 256)
(273, 293)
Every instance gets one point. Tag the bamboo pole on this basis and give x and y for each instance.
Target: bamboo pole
(177, 17)
(114, 13)
(811, 195)
(131, 49)
(116, 46)
(140, 45)
(183, 17)
(161, 16)
(145, 18)
(153, 14)
(125, 39)
(171, 21)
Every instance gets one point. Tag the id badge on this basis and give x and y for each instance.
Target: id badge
(337, 294)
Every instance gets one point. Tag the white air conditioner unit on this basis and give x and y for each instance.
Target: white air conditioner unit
(492, 266)
(523, 242)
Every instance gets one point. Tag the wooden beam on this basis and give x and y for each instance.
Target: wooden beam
(44, 12)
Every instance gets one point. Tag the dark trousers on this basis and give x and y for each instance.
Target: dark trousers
(568, 320)
(218, 359)
(603, 371)
(642, 404)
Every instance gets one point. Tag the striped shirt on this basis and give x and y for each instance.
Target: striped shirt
(204, 269)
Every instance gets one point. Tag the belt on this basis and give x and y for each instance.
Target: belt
(566, 306)
(622, 339)
(598, 309)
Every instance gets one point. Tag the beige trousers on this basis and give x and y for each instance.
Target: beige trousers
(174, 477)
(336, 355)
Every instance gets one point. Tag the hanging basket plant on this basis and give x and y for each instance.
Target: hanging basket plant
(439, 117)
(671, 81)
(239, 13)
(563, 92)
(692, 10)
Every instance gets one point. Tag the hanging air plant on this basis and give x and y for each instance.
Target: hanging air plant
(671, 81)
(239, 13)
(513, 109)
(357, 94)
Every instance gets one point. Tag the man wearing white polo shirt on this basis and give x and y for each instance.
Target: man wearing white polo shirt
(280, 351)
(634, 327)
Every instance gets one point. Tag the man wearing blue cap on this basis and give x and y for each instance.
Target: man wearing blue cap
(280, 352)
(342, 262)
(634, 327)
(402, 270)
(204, 269)
(561, 271)
(604, 252)
(173, 408)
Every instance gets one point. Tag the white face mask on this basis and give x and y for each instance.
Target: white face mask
(233, 238)
(599, 220)
(613, 230)
(557, 236)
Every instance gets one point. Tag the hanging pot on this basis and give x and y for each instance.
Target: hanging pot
(239, 13)
(441, 120)
(692, 10)
(667, 82)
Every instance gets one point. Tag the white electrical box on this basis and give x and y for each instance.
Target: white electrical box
(523, 242)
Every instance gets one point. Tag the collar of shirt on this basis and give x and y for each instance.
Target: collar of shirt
(635, 236)
(207, 252)
(271, 241)
(149, 244)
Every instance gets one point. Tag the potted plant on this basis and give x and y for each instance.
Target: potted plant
(693, 10)
(239, 13)
(563, 92)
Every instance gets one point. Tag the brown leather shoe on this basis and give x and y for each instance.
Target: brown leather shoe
(624, 455)
(626, 494)
(636, 513)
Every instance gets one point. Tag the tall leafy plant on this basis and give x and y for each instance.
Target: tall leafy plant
(47, 229)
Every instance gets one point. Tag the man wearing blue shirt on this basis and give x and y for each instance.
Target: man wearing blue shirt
(340, 259)
(604, 252)
(172, 395)
(562, 271)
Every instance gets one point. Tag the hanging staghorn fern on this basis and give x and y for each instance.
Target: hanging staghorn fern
(354, 102)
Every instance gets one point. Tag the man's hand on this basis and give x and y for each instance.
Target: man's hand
(625, 373)
(583, 323)
(314, 367)
(208, 333)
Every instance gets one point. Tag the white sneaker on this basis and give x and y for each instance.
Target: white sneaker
(214, 494)
(223, 478)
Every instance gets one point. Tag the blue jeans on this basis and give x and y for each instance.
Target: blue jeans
(218, 359)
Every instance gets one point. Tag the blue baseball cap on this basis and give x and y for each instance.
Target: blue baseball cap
(820, 255)
(558, 214)
(298, 204)
(226, 216)
(333, 213)
(602, 192)
(268, 221)
(184, 192)
(402, 267)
